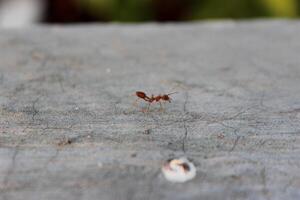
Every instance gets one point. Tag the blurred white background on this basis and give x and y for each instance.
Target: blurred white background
(20, 13)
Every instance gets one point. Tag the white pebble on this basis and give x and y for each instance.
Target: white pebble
(179, 170)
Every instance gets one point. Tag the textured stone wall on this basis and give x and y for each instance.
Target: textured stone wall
(69, 130)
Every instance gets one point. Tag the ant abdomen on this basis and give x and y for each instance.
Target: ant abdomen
(141, 94)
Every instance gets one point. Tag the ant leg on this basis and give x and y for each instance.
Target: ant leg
(148, 107)
(161, 107)
(135, 103)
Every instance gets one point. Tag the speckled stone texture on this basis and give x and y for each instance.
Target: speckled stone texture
(69, 130)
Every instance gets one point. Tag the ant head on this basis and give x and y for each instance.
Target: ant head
(166, 97)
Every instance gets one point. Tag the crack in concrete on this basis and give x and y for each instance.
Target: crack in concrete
(34, 110)
(219, 120)
(265, 190)
(235, 143)
(12, 166)
(238, 137)
(51, 159)
(45, 169)
(184, 138)
(10, 171)
(184, 123)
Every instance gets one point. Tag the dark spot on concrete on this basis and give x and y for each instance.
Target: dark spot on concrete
(147, 131)
(133, 155)
(64, 141)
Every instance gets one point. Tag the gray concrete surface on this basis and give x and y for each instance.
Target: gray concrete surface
(69, 129)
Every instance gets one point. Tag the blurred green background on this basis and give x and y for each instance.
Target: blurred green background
(169, 10)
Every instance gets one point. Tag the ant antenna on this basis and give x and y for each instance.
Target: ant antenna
(172, 93)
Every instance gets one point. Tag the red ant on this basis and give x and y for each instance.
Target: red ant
(159, 98)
